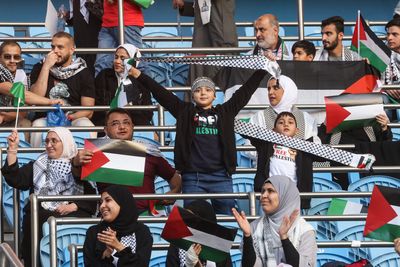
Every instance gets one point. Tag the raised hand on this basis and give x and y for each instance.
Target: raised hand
(65, 209)
(287, 222)
(51, 60)
(13, 140)
(134, 72)
(242, 222)
(84, 156)
(177, 4)
(383, 121)
(109, 238)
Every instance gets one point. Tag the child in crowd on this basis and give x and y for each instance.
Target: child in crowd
(205, 147)
(303, 50)
(274, 159)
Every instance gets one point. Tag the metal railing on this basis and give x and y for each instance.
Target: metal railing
(8, 257)
(53, 222)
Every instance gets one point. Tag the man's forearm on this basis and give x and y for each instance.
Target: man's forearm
(40, 86)
(83, 113)
(34, 99)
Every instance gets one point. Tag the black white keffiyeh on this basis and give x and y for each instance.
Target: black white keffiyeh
(324, 151)
(53, 177)
(5, 76)
(246, 61)
(63, 73)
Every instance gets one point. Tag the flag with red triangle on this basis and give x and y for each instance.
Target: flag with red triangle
(184, 228)
(370, 46)
(383, 219)
(348, 111)
(115, 162)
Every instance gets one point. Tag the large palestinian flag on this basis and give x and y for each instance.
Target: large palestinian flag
(383, 219)
(370, 46)
(115, 162)
(349, 111)
(315, 80)
(184, 228)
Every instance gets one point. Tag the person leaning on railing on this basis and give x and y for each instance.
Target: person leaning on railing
(50, 174)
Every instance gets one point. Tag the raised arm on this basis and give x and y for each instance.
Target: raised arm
(242, 96)
(166, 98)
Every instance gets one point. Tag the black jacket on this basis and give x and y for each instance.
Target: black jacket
(184, 113)
(106, 85)
(93, 249)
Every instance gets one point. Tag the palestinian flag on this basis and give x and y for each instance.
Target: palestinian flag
(115, 162)
(383, 219)
(315, 80)
(155, 209)
(184, 228)
(120, 98)
(344, 207)
(344, 112)
(370, 45)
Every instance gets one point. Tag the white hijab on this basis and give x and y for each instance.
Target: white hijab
(69, 146)
(133, 51)
(289, 97)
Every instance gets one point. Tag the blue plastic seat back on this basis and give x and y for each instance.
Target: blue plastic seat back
(158, 258)
(325, 255)
(161, 186)
(390, 259)
(156, 230)
(236, 257)
(354, 232)
(66, 235)
(243, 184)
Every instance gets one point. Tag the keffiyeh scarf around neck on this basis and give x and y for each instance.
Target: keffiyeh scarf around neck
(53, 177)
(392, 73)
(5, 75)
(63, 73)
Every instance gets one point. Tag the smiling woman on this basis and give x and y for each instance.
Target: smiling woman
(280, 235)
(119, 240)
(50, 174)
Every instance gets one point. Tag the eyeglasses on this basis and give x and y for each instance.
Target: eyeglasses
(9, 57)
(117, 124)
(51, 141)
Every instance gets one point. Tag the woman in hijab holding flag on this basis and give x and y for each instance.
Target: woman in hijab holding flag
(280, 235)
(50, 174)
(108, 82)
(119, 239)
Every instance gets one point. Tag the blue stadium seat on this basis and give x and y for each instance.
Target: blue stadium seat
(354, 232)
(147, 140)
(161, 186)
(321, 184)
(387, 260)
(325, 255)
(66, 234)
(325, 230)
(236, 257)
(158, 258)
(396, 131)
(366, 184)
(243, 184)
(156, 230)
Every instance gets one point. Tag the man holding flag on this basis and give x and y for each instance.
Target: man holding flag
(119, 125)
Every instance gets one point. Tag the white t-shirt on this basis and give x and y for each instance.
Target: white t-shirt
(282, 162)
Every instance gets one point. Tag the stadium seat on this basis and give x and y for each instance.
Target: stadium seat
(366, 184)
(321, 184)
(8, 203)
(156, 230)
(243, 184)
(325, 255)
(158, 258)
(66, 234)
(354, 232)
(236, 257)
(391, 259)
(146, 140)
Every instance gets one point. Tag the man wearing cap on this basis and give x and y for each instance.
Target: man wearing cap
(205, 148)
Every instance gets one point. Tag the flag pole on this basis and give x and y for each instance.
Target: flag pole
(358, 30)
(16, 118)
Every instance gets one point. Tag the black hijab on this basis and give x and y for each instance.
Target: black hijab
(202, 208)
(126, 222)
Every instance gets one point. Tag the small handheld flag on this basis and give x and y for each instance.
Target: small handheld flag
(344, 112)
(184, 228)
(115, 162)
(18, 91)
(344, 207)
(383, 219)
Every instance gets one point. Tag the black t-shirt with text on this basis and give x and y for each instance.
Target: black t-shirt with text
(206, 152)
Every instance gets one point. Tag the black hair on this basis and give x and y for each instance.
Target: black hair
(307, 46)
(336, 20)
(8, 43)
(119, 111)
(394, 22)
(285, 114)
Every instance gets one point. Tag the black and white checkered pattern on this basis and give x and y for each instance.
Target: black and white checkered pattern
(338, 155)
(129, 241)
(246, 61)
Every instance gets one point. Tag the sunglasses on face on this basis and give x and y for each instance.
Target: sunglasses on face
(9, 57)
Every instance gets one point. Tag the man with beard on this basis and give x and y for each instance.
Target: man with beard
(269, 44)
(332, 37)
(60, 76)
